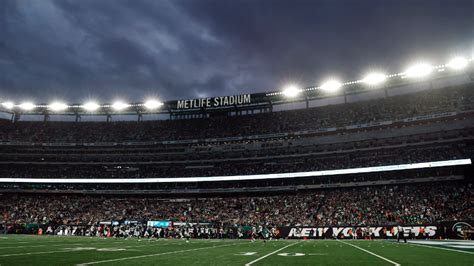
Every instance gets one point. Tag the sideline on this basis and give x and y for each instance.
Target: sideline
(436, 247)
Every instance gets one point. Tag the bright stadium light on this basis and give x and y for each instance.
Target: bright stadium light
(374, 78)
(8, 105)
(152, 104)
(419, 70)
(58, 106)
(90, 106)
(27, 106)
(119, 105)
(331, 85)
(458, 63)
(291, 91)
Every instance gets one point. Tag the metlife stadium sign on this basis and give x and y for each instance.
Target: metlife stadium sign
(214, 102)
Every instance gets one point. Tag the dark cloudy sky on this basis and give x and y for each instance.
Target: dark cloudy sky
(109, 49)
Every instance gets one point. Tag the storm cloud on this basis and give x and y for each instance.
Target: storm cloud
(111, 49)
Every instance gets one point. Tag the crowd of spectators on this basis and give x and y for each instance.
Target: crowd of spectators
(273, 148)
(424, 203)
(27, 161)
(232, 187)
(391, 108)
(245, 166)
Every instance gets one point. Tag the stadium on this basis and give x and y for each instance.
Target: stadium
(247, 168)
(375, 170)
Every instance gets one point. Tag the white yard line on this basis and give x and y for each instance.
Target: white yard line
(371, 253)
(48, 241)
(271, 253)
(436, 247)
(39, 246)
(119, 245)
(152, 255)
(13, 241)
(37, 253)
(140, 246)
(66, 244)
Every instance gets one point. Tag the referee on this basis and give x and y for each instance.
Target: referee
(401, 234)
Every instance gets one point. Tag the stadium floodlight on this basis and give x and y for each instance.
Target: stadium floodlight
(8, 105)
(458, 63)
(90, 106)
(58, 106)
(27, 106)
(419, 70)
(374, 78)
(291, 91)
(152, 104)
(331, 85)
(119, 105)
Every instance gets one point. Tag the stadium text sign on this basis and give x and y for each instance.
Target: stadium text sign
(214, 102)
(428, 231)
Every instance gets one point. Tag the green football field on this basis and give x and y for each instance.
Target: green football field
(55, 250)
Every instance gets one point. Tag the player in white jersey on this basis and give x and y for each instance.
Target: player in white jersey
(187, 235)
